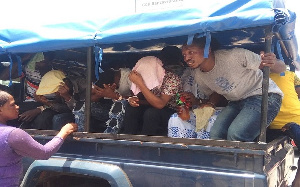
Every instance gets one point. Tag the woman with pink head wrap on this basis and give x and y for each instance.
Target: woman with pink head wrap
(152, 71)
(155, 90)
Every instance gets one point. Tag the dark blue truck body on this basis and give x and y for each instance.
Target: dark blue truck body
(128, 160)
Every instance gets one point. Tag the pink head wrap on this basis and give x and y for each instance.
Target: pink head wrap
(150, 68)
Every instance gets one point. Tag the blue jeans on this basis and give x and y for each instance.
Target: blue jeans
(241, 120)
(294, 132)
(59, 120)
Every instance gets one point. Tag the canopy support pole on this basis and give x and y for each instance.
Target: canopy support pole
(265, 88)
(87, 111)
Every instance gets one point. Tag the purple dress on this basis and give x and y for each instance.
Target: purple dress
(16, 144)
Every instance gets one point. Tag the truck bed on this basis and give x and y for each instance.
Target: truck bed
(162, 161)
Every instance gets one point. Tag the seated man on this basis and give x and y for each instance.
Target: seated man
(236, 75)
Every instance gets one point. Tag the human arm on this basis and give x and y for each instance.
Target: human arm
(214, 100)
(190, 98)
(251, 60)
(29, 115)
(270, 60)
(64, 92)
(42, 99)
(137, 100)
(278, 67)
(57, 104)
(155, 101)
(107, 91)
(23, 144)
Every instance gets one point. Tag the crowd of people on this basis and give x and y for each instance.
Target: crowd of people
(180, 93)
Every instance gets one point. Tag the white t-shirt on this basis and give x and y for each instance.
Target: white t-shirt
(236, 75)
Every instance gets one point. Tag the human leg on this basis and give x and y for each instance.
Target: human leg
(293, 131)
(155, 121)
(99, 115)
(59, 120)
(44, 120)
(246, 126)
(223, 121)
(100, 110)
(133, 119)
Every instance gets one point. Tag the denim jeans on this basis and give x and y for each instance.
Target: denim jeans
(241, 120)
(59, 120)
(294, 132)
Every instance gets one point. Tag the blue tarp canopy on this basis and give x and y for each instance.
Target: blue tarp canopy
(35, 26)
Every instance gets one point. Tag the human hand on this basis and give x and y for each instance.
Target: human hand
(136, 78)
(63, 91)
(267, 59)
(113, 86)
(190, 98)
(67, 129)
(134, 101)
(109, 91)
(29, 115)
(42, 99)
(97, 93)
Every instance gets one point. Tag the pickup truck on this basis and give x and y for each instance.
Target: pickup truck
(142, 27)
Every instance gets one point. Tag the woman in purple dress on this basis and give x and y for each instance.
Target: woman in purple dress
(16, 143)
